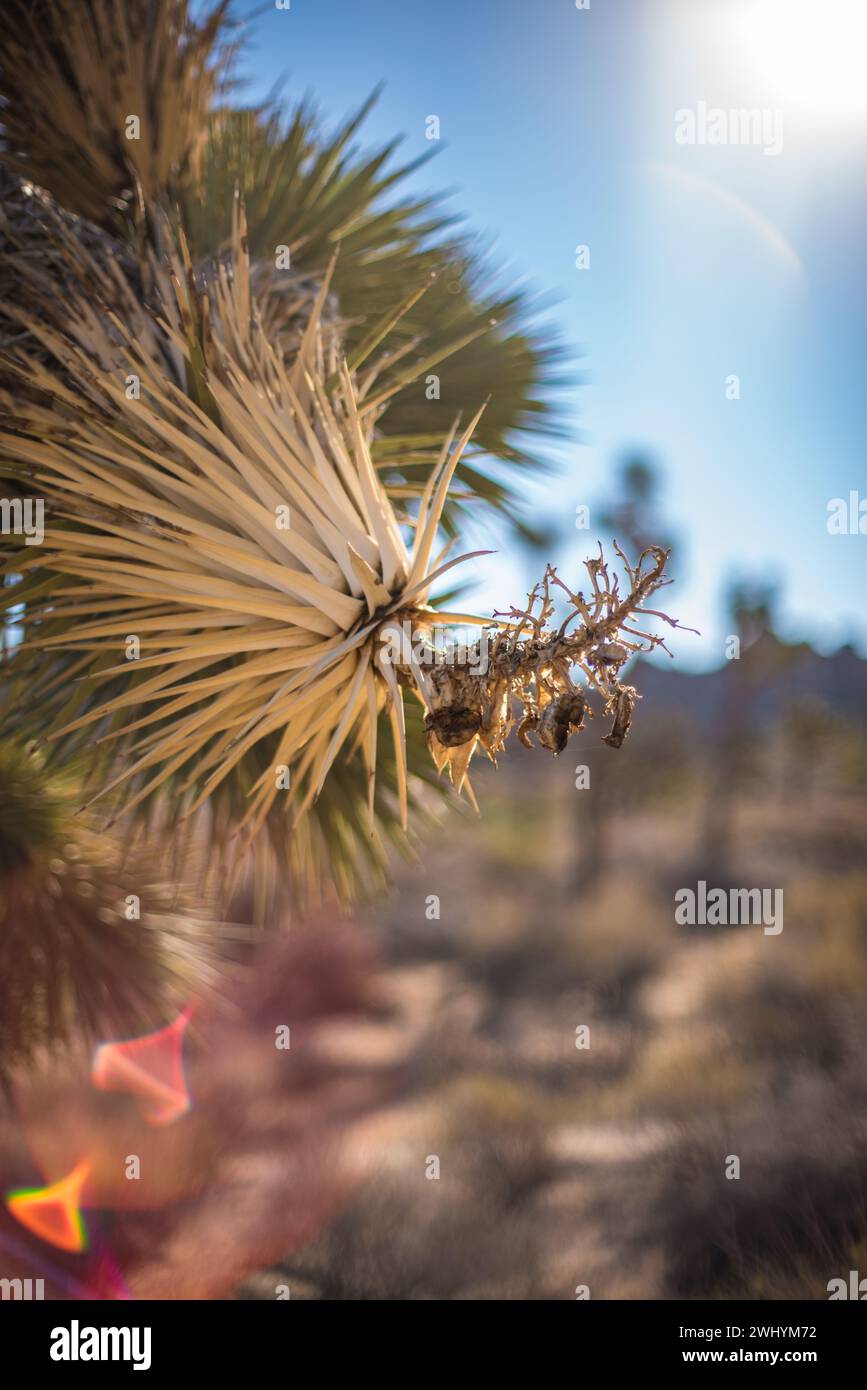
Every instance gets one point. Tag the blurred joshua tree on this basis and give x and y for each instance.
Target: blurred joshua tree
(254, 390)
(751, 605)
(632, 513)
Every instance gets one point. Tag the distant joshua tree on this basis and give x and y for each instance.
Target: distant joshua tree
(631, 515)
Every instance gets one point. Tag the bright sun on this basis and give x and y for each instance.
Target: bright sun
(812, 53)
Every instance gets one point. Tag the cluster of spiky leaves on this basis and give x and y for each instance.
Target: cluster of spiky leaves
(224, 512)
(311, 194)
(225, 346)
(73, 76)
(72, 71)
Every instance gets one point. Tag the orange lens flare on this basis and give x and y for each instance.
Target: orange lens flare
(149, 1068)
(54, 1213)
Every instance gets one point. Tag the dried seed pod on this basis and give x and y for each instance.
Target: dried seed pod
(624, 703)
(559, 718)
(455, 714)
(454, 725)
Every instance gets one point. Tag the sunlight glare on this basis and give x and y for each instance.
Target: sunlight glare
(812, 54)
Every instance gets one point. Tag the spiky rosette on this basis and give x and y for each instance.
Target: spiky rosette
(218, 509)
(94, 937)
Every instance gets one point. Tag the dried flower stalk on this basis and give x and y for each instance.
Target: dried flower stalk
(470, 702)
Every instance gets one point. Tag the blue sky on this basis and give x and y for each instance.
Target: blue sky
(706, 260)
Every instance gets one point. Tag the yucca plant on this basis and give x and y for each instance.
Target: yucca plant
(208, 350)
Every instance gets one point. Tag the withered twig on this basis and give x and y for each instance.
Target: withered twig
(469, 701)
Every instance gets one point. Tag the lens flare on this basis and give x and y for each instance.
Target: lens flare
(150, 1068)
(54, 1213)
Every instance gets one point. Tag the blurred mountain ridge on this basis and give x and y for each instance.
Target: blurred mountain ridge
(770, 677)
